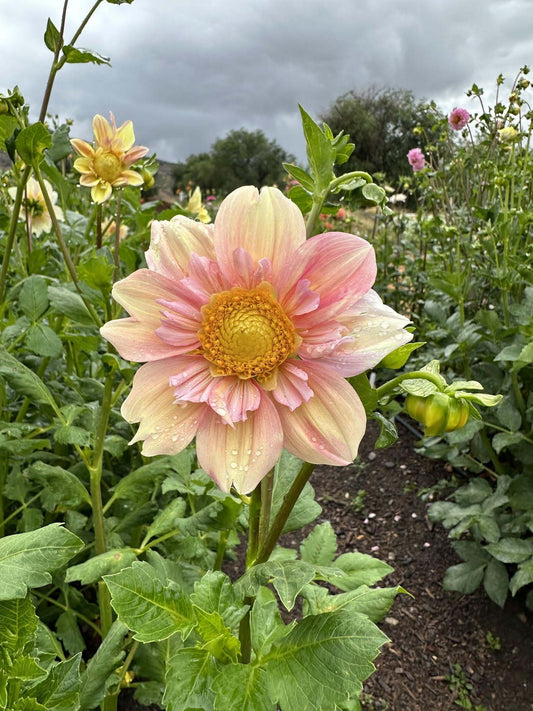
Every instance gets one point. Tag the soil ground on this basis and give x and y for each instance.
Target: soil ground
(434, 634)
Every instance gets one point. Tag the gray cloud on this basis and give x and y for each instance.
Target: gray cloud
(188, 72)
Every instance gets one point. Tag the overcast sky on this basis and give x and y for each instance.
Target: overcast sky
(188, 71)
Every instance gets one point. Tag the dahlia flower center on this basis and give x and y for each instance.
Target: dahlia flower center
(107, 166)
(246, 333)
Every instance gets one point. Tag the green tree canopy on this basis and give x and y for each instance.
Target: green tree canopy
(241, 158)
(380, 123)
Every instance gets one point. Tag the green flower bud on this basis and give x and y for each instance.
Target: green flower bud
(438, 412)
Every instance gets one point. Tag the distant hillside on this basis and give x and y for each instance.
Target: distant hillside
(163, 179)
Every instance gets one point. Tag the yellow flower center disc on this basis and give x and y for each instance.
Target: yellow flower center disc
(107, 166)
(246, 333)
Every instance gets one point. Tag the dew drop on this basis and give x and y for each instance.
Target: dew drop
(385, 324)
(234, 452)
(233, 465)
(220, 411)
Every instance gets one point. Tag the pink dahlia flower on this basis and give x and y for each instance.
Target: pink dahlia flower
(416, 159)
(458, 119)
(248, 332)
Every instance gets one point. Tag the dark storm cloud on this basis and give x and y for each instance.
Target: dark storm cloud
(188, 72)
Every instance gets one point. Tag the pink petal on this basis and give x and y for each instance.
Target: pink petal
(233, 398)
(82, 147)
(174, 241)
(243, 454)
(139, 293)
(192, 381)
(165, 427)
(103, 132)
(133, 155)
(291, 386)
(328, 428)
(374, 331)
(340, 267)
(128, 177)
(265, 224)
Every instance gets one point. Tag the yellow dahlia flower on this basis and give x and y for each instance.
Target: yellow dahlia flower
(196, 206)
(107, 165)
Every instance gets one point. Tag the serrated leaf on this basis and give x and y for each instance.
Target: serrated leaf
(301, 198)
(215, 593)
(243, 687)
(72, 434)
(506, 439)
(167, 519)
(77, 55)
(67, 303)
(388, 434)
(154, 612)
(399, 357)
(51, 36)
(24, 380)
(359, 569)
(266, 624)
(27, 559)
(32, 141)
(18, 625)
(59, 486)
(189, 680)
(60, 690)
(8, 124)
(68, 632)
(33, 297)
(43, 341)
(300, 671)
(140, 483)
(61, 146)
(496, 582)
(372, 602)
(26, 668)
(523, 576)
(320, 545)
(301, 176)
(287, 576)
(320, 152)
(109, 656)
(112, 561)
(217, 637)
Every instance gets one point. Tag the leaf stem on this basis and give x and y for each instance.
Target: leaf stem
(416, 375)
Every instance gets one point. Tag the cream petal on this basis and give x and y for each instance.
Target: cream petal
(82, 147)
(291, 385)
(233, 399)
(101, 192)
(140, 292)
(241, 454)
(166, 427)
(124, 137)
(89, 180)
(134, 154)
(103, 132)
(129, 177)
(137, 341)
(265, 224)
(329, 427)
(173, 242)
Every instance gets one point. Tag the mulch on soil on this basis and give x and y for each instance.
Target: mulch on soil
(434, 629)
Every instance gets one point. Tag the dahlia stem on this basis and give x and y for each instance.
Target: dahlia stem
(284, 511)
(253, 526)
(54, 68)
(116, 252)
(98, 226)
(12, 229)
(267, 487)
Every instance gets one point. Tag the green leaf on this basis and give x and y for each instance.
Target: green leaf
(266, 624)
(68, 632)
(109, 656)
(27, 559)
(97, 272)
(112, 561)
(167, 519)
(287, 576)
(374, 193)
(18, 625)
(243, 687)
(320, 545)
(488, 528)
(320, 152)
(367, 394)
(8, 124)
(388, 434)
(523, 576)
(139, 484)
(61, 146)
(24, 380)
(471, 552)
(217, 637)
(31, 143)
(51, 36)
(59, 486)
(69, 304)
(28, 704)
(189, 680)
(76, 55)
(25, 668)
(301, 176)
(152, 611)
(359, 569)
(506, 439)
(71, 434)
(496, 582)
(322, 661)
(301, 198)
(60, 690)
(43, 341)
(215, 593)
(306, 508)
(33, 297)
(399, 357)
(476, 491)
(463, 578)
(511, 550)
(418, 386)
(372, 602)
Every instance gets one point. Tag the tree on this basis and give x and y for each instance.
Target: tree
(241, 158)
(380, 123)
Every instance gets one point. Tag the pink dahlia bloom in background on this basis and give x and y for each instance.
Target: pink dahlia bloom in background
(458, 119)
(416, 159)
(248, 332)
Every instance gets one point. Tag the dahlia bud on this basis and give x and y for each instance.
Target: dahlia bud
(438, 412)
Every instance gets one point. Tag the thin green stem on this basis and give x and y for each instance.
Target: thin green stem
(416, 375)
(318, 201)
(82, 617)
(64, 249)
(253, 526)
(55, 66)
(221, 549)
(267, 487)
(116, 251)
(98, 225)
(284, 511)
(17, 511)
(12, 230)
